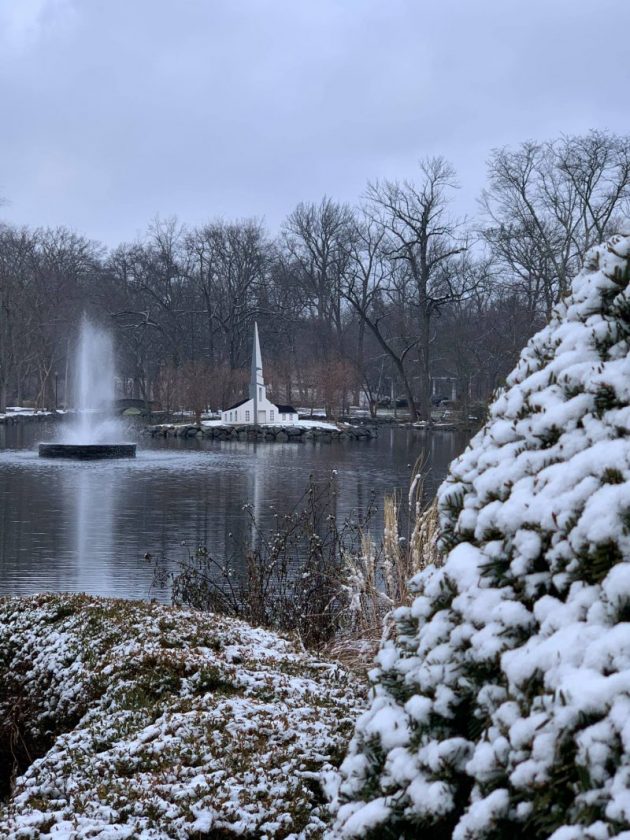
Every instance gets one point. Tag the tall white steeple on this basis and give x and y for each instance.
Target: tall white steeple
(257, 390)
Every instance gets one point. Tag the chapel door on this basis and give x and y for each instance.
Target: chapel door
(262, 416)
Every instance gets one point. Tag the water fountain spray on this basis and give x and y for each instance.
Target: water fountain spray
(94, 433)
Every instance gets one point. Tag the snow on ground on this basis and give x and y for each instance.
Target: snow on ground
(502, 709)
(19, 411)
(151, 722)
(316, 424)
(305, 424)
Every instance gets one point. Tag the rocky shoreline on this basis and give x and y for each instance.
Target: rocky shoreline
(281, 434)
(270, 434)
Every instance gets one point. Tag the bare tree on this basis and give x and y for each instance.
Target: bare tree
(63, 272)
(229, 272)
(16, 258)
(316, 237)
(380, 301)
(428, 244)
(547, 203)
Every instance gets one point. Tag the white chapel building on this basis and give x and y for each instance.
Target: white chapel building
(258, 409)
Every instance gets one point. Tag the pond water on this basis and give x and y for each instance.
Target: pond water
(86, 527)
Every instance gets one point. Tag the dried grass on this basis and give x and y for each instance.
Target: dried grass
(343, 600)
(377, 579)
(423, 548)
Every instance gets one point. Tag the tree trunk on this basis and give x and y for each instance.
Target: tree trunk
(425, 370)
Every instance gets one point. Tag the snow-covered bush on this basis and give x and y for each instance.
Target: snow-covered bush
(502, 709)
(138, 721)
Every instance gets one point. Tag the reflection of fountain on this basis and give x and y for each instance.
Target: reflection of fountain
(93, 536)
(95, 433)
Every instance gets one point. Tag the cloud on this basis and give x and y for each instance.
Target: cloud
(115, 111)
(23, 23)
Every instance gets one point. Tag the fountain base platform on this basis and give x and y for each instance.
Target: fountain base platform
(87, 451)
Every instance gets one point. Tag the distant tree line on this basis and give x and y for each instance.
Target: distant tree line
(386, 300)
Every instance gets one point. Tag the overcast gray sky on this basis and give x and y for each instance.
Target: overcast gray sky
(113, 111)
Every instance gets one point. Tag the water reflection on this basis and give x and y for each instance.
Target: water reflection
(94, 528)
(87, 526)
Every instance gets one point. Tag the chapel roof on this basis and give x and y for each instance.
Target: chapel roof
(238, 404)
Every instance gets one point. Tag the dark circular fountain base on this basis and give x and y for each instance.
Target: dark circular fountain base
(87, 451)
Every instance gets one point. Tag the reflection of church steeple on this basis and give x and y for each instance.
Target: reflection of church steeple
(257, 390)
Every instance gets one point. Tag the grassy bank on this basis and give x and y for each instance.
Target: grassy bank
(131, 720)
